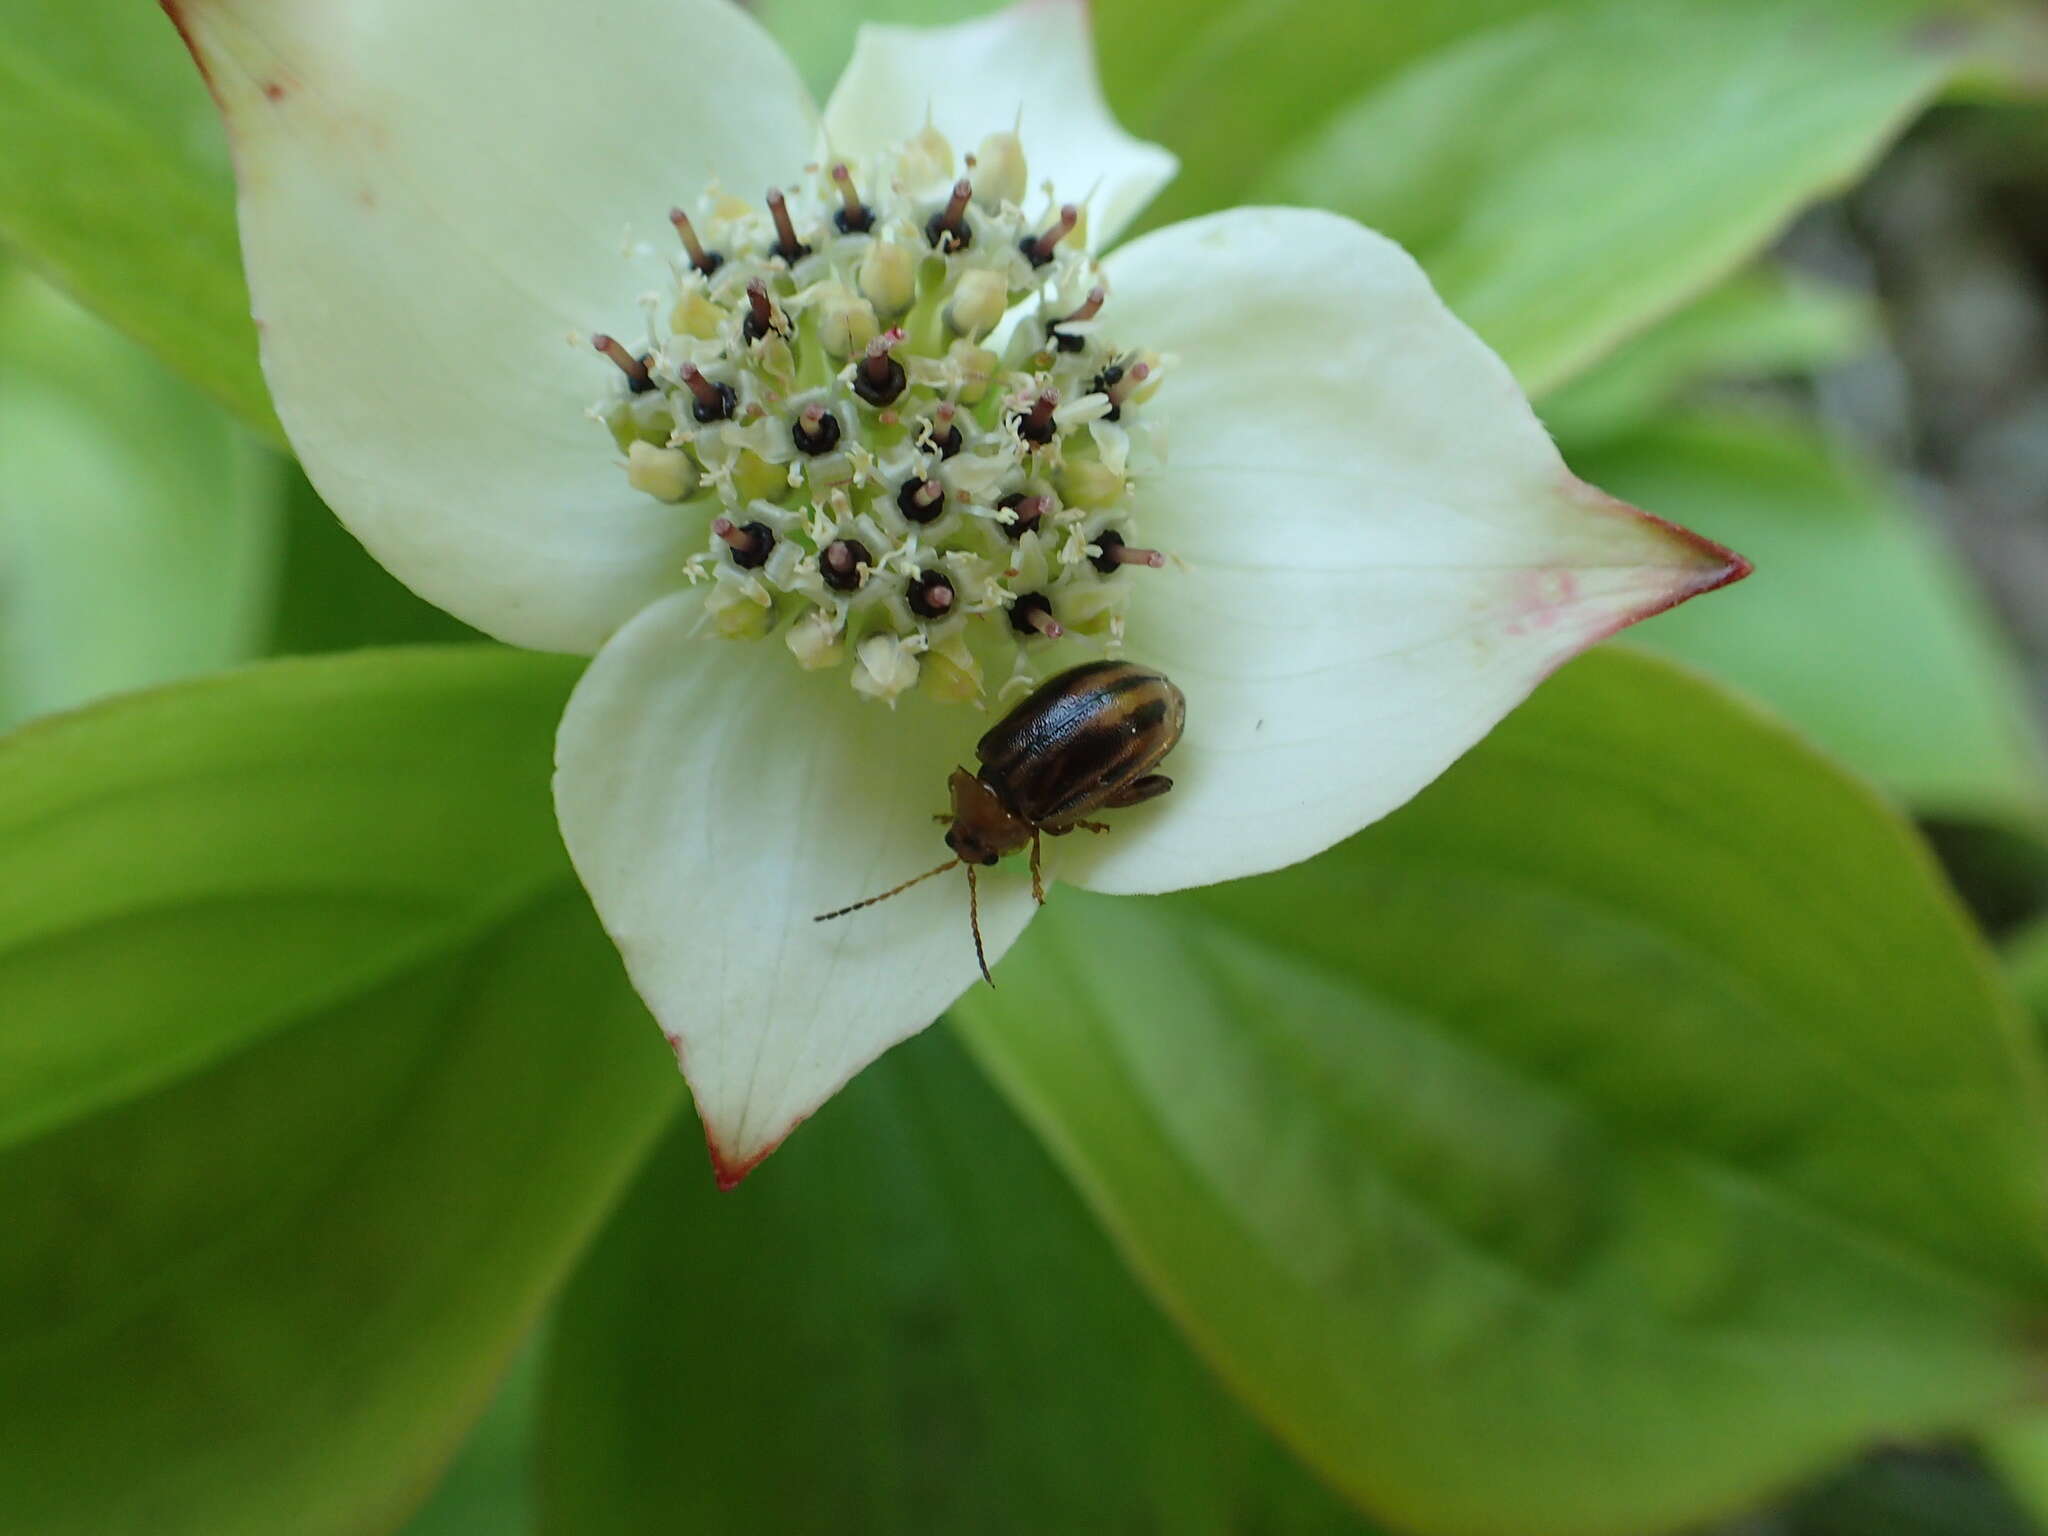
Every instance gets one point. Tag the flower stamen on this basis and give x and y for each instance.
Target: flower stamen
(1091, 306)
(1032, 614)
(880, 378)
(1119, 383)
(843, 562)
(1115, 553)
(815, 430)
(706, 262)
(638, 379)
(1025, 510)
(715, 401)
(761, 318)
(922, 501)
(945, 437)
(853, 217)
(931, 595)
(1035, 426)
(947, 229)
(750, 545)
(1039, 251)
(787, 246)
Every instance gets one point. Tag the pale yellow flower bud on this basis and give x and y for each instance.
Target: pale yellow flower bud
(979, 300)
(974, 367)
(816, 641)
(999, 171)
(666, 474)
(925, 160)
(886, 666)
(1090, 483)
(695, 315)
(756, 479)
(846, 326)
(888, 277)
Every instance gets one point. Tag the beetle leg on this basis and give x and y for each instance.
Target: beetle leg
(1085, 826)
(943, 818)
(1037, 879)
(1138, 791)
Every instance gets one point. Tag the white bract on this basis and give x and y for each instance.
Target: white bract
(869, 455)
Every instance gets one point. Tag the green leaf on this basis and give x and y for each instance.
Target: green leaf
(315, 1074)
(488, 1489)
(1568, 172)
(1570, 177)
(138, 526)
(1629, 1126)
(1859, 624)
(2018, 1448)
(116, 183)
(1760, 324)
(904, 1322)
(2027, 959)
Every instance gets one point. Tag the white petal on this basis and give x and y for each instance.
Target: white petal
(1384, 552)
(715, 799)
(1030, 67)
(436, 202)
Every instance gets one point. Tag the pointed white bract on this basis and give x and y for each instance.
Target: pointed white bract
(1375, 551)
(438, 203)
(1030, 68)
(715, 801)
(1380, 551)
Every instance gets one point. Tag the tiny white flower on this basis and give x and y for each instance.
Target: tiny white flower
(864, 381)
(887, 666)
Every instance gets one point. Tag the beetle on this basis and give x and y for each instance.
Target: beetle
(1084, 740)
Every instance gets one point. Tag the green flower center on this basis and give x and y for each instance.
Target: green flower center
(886, 395)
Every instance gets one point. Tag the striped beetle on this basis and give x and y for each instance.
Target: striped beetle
(1084, 740)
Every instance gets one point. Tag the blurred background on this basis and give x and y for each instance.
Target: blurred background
(1859, 404)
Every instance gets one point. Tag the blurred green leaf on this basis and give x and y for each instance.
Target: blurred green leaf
(905, 1322)
(2027, 958)
(488, 1489)
(2019, 1450)
(315, 1074)
(1567, 170)
(1630, 1125)
(116, 183)
(1573, 176)
(138, 525)
(1858, 624)
(1760, 324)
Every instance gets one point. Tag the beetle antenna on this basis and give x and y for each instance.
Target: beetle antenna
(826, 917)
(974, 922)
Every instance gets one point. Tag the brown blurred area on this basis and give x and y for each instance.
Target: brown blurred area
(1951, 236)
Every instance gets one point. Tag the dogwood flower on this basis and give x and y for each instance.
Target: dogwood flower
(829, 435)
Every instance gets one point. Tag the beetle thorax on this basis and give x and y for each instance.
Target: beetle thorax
(885, 398)
(983, 827)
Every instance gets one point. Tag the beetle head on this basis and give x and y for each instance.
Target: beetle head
(983, 829)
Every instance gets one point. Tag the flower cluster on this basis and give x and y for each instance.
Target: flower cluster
(880, 465)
